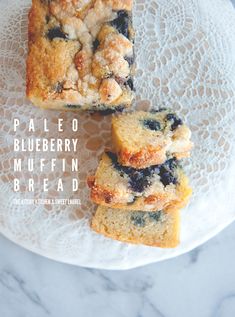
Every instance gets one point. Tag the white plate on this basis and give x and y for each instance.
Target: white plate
(185, 60)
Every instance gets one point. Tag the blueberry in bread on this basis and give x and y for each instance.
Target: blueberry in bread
(80, 55)
(157, 187)
(156, 228)
(143, 138)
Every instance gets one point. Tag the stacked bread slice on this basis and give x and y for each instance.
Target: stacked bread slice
(140, 185)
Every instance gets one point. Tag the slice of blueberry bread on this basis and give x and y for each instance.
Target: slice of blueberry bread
(157, 228)
(156, 187)
(80, 54)
(143, 138)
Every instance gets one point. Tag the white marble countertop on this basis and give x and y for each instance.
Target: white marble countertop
(198, 284)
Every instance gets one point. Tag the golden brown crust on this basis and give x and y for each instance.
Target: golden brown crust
(36, 21)
(101, 195)
(106, 197)
(108, 189)
(64, 68)
(47, 65)
(120, 4)
(145, 157)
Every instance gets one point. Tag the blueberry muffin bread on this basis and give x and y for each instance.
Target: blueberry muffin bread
(157, 187)
(80, 54)
(143, 138)
(157, 228)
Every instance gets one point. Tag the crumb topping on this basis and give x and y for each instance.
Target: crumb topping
(100, 71)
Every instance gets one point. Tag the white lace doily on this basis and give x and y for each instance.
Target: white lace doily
(185, 53)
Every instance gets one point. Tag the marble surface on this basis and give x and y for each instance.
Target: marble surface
(198, 284)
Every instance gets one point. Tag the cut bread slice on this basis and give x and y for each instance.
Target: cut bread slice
(142, 139)
(155, 188)
(159, 229)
